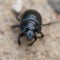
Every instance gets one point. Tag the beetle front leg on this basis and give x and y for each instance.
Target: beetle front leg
(19, 42)
(35, 37)
(42, 35)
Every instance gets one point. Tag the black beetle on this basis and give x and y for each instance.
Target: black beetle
(31, 22)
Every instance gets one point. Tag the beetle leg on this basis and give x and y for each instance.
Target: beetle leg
(15, 26)
(33, 41)
(19, 42)
(42, 35)
(17, 17)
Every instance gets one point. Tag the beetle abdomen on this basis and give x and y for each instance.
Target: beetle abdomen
(31, 14)
(30, 20)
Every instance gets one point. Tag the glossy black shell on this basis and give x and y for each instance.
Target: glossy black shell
(31, 17)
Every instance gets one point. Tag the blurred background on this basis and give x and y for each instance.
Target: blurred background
(55, 4)
(47, 48)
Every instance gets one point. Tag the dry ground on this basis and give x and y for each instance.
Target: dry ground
(46, 49)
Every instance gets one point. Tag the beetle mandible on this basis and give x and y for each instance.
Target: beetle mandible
(31, 23)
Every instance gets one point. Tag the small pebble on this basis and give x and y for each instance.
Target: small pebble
(17, 7)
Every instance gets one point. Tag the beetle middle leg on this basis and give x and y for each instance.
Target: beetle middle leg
(35, 37)
(14, 26)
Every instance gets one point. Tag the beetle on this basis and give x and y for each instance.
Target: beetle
(30, 24)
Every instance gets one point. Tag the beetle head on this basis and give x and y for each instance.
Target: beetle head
(29, 34)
